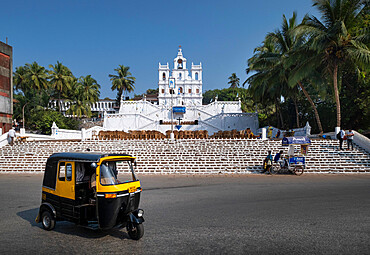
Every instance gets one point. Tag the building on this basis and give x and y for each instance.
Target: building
(102, 106)
(6, 87)
(180, 105)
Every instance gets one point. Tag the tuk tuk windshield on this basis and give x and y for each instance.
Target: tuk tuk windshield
(109, 172)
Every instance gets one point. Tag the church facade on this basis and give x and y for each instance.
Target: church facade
(180, 105)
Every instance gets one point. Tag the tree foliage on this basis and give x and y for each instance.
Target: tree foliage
(327, 57)
(34, 87)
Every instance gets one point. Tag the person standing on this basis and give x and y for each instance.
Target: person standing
(11, 136)
(350, 135)
(340, 136)
(269, 132)
(267, 163)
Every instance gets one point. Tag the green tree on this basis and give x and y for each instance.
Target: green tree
(37, 77)
(78, 106)
(123, 81)
(88, 89)
(60, 79)
(42, 121)
(273, 66)
(20, 78)
(334, 42)
(233, 81)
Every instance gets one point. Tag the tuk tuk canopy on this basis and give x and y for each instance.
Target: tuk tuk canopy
(299, 140)
(51, 168)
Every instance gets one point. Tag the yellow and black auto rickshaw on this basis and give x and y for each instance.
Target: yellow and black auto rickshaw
(83, 188)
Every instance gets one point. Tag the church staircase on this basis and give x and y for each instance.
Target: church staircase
(188, 156)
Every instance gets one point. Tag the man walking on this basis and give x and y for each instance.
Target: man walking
(350, 135)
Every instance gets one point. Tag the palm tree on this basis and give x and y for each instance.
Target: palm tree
(233, 81)
(273, 63)
(60, 79)
(123, 81)
(332, 41)
(37, 77)
(79, 108)
(20, 78)
(88, 89)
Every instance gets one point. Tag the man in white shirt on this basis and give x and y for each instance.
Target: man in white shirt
(341, 138)
(350, 135)
(11, 136)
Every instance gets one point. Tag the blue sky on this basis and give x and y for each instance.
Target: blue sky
(94, 37)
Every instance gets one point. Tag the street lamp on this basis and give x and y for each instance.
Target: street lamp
(23, 112)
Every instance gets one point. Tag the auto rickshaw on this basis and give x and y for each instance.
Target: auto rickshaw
(83, 188)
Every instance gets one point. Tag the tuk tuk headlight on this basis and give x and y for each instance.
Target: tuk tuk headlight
(140, 213)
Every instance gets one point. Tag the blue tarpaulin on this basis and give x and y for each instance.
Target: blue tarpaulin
(179, 109)
(296, 140)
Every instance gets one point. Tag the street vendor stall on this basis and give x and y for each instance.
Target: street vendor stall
(293, 163)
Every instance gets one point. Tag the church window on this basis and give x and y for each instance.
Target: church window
(189, 91)
(162, 91)
(180, 90)
(164, 76)
(197, 91)
(180, 76)
(196, 76)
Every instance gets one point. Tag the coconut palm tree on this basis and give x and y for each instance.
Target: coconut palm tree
(20, 78)
(60, 79)
(233, 81)
(123, 81)
(37, 78)
(273, 63)
(333, 42)
(79, 108)
(88, 89)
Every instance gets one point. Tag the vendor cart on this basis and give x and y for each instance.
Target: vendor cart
(293, 163)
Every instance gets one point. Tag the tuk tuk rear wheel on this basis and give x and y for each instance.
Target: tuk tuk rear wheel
(298, 170)
(135, 231)
(48, 221)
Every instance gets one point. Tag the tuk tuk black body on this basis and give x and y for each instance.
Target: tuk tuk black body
(67, 193)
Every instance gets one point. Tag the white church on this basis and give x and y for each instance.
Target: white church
(180, 106)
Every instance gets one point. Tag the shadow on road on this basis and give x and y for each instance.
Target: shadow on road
(68, 228)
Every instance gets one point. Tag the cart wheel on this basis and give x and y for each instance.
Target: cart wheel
(135, 231)
(48, 221)
(298, 170)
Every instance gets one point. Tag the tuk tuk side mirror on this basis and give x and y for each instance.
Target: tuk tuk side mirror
(94, 165)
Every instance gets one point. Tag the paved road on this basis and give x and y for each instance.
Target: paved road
(310, 214)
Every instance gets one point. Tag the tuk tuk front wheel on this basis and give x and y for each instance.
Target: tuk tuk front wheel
(298, 170)
(48, 221)
(135, 231)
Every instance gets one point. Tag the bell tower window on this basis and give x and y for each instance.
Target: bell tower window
(164, 76)
(179, 62)
(180, 76)
(196, 76)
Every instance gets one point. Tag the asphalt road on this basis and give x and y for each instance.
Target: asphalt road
(310, 214)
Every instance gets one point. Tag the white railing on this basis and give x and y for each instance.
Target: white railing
(362, 141)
